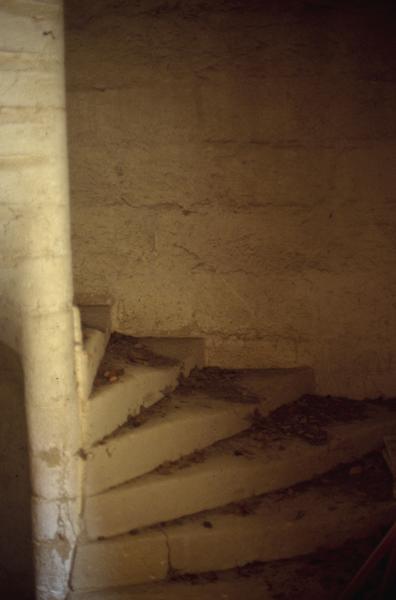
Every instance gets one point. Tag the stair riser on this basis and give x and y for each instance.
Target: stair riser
(130, 560)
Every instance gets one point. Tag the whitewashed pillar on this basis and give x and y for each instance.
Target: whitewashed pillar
(35, 273)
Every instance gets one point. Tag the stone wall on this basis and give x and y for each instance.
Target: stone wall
(232, 175)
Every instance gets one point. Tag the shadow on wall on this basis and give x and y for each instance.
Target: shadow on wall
(16, 563)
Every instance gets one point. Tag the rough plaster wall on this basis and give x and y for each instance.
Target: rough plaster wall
(232, 172)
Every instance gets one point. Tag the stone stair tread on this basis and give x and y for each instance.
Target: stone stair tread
(229, 471)
(190, 419)
(322, 513)
(96, 316)
(90, 347)
(141, 445)
(124, 387)
(309, 515)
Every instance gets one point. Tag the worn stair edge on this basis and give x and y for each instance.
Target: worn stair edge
(95, 343)
(89, 347)
(297, 524)
(231, 471)
(186, 424)
(140, 386)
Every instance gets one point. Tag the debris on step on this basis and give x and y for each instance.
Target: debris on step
(123, 348)
(308, 418)
(139, 386)
(193, 578)
(196, 457)
(159, 409)
(218, 383)
(322, 513)
(135, 351)
(231, 470)
(321, 575)
(371, 482)
(371, 479)
(173, 427)
(180, 423)
(113, 375)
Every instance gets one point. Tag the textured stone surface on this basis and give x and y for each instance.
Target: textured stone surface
(121, 561)
(291, 526)
(109, 406)
(36, 292)
(228, 472)
(292, 523)
(232, 178)
(186, 423)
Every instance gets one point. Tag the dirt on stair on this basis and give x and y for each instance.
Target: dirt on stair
(322, 575)
(368, 478)
(134, 421)
(223, 384)
(123, 350)
(195, 458)
(308, 417)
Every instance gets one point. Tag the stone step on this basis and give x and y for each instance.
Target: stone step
(92, 329)
(190, 420)
(280, 526)
(152, 372)
(94, 348)
(346, 504)
(229, 471)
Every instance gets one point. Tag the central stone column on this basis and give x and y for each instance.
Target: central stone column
(35, 275)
